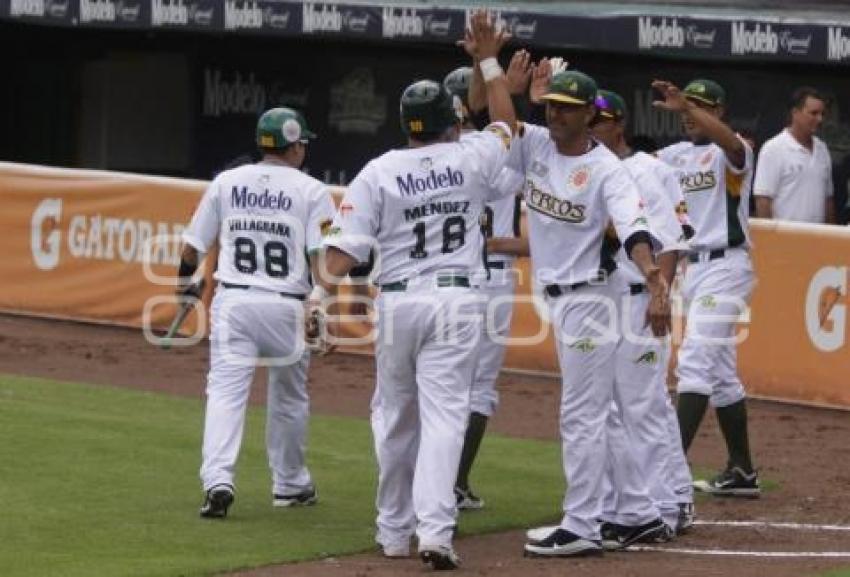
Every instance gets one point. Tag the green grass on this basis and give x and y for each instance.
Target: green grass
(102, 481)
(845, 572)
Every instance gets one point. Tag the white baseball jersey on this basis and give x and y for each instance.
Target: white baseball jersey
(666, 228)
(503, 215)
(570, 201)
(717, 193)
(798, 180)
(266, 218)
(423, 206)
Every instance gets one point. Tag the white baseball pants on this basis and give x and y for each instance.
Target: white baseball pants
(587, 332)
(498, 293)
(640, 426)
(426, 349)
(251, 327)
(716, 292)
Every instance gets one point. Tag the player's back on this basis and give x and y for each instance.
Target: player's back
(265, 225)
(431, 201)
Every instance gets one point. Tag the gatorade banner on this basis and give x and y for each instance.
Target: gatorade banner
(104, 247)
(93, 245)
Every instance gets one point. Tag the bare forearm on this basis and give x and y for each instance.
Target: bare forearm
(764, 207)
(641, 255)
(332, 268)
(507, 245)
(477, 90)
(830, 211)
(719, 133)
(499, 102)
(667, 262)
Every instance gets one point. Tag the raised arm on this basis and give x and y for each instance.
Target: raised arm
(712, 126)
(483, 41)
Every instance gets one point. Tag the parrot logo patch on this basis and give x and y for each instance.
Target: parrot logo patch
(584, 345)
(707, 302)
(647, 358)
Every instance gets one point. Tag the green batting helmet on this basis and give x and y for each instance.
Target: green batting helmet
(280, 127)
(457, 82)
(427, 108)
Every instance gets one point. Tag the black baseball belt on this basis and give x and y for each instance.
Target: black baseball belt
(230, 285)
(443, 281)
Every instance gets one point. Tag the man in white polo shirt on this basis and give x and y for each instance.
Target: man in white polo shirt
(794, 172)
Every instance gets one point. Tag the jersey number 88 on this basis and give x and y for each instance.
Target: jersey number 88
(274, 253)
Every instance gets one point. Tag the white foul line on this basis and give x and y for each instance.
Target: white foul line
(722, 552)
(769, 524)
(763, 524)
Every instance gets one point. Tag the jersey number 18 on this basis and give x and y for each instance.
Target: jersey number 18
(454, 236)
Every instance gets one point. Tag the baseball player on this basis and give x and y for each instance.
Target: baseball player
(574, 187)
(266, 217)
(501, 229)
(645, 421)
(715, 170)
(419, 209)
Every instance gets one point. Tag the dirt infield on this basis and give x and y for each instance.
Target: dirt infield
(806, 451)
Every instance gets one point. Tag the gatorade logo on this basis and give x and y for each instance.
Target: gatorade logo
(826, 308)
(99, 237)
(44, 233)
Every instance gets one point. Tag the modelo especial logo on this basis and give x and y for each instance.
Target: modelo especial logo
(754, 41)
(247, 15)
(838, 45)
(664, 34)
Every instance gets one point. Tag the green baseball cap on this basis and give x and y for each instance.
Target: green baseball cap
(610, 105)
(571, 87)
(705, 91)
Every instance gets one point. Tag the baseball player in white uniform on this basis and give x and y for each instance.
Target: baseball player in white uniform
(501, 229)
(574, 187)
(419, 209)
(715, 169)
(266, 217)
(645, 421)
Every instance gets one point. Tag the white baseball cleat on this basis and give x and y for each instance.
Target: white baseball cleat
(439, 557)
(562, 543)
(399, 550)
(540, 533)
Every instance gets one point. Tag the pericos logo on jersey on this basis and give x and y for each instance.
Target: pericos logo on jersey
(410, 185)
(241, 198)
(550, 205)
(697, 181)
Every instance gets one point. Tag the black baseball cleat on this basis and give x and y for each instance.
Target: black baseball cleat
(467, 500)
(440, 558)
(733, 482)
(562, 543)
(217, 502)
(618, 537)
(308, 496)
(686, 518)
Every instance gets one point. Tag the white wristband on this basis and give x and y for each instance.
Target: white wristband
(490, 69)
(319, 294)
